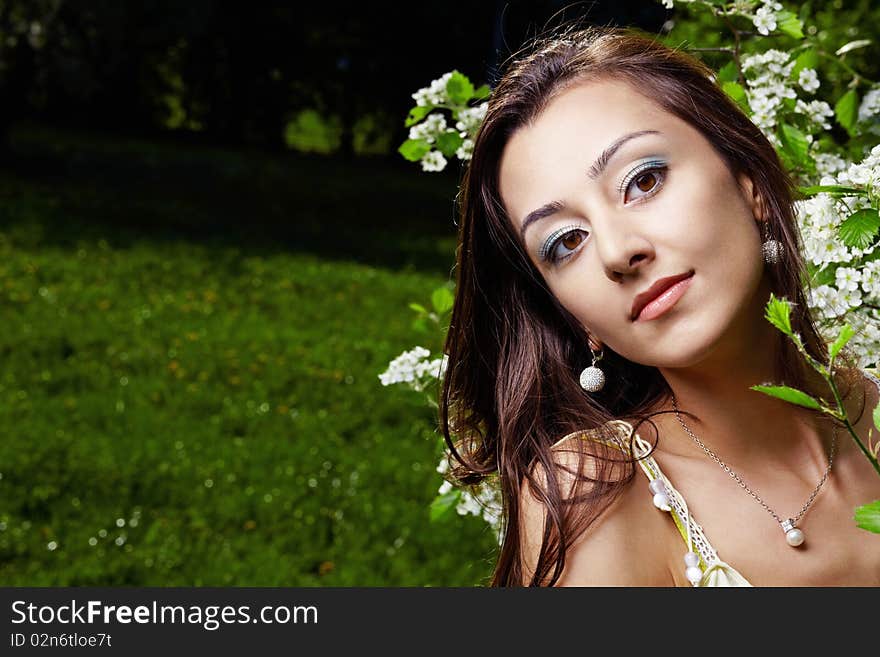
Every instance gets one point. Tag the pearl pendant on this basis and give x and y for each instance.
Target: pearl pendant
(793, 535)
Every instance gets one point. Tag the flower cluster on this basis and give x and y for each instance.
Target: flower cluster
(856, 275)
(484, 502)
(412, 367)
(434, 93)
(431, 140)
(869, 110)
(864, 174)
(767, 87)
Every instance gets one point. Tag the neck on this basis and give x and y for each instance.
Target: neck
(743, 426)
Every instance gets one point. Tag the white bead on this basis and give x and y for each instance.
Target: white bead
(657, 486)
(693, 574)
(661, 501)
(691, 559)
(794, 537)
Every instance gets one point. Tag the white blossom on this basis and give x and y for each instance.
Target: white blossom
(829, 163)
(765, 19)
(466, 149)
(411, 366)
(433, 161)
(865, 173)
(435, 93)
(429, 129)
(767, 85)
(470, 118)
(817, 111)
(851, 298)
(847, 278)
(828, 301)
(870, 105)
(485, 502)
(865, 343)
(871, 279)
(808, 80)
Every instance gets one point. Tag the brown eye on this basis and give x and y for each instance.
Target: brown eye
(568, 243)
(572, 240)
(646, 182)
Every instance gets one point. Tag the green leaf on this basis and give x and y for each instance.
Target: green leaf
(735, 91)
(459, 88)
(877, 417)
(795, 143)
(832, 189)
(859, 229)
(482, 93)
(448, 142)
(826, 276)
(416, 114)
(846, 109)
(778, 313)
(852, 45)
(791, 395)
(807, 59)
(845, 334)
(790, 24)
(443, 505)
(442, 299)
(414, 149)
(728, 73)
(419, 308)
(867, 516)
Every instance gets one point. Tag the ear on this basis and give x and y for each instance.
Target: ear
(595, 345)
(752, 197)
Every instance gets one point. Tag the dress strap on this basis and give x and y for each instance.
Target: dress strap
(703, 565)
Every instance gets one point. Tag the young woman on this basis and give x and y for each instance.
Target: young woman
(620, 212)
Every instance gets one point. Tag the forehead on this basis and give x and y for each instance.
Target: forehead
(541, 159)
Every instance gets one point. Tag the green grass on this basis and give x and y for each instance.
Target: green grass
(190, 349)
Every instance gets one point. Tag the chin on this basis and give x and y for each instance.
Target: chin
(689, 341)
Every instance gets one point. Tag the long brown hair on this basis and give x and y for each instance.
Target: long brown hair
(511, 387)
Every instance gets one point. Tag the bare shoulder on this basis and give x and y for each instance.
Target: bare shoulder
(629, 544)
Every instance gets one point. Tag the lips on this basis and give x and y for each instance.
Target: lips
(656, 289)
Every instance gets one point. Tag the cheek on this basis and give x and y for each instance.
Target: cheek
(718, 224)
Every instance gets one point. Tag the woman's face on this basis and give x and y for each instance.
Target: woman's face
(661, 202)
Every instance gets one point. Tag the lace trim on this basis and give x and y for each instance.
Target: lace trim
(692, 531)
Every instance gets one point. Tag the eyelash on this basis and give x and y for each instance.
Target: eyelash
(653, 166)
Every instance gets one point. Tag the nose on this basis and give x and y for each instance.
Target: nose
(622, 252)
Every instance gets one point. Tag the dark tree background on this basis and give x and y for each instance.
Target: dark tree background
(233, 73)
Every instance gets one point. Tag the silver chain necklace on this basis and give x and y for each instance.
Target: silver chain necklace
(793, 535)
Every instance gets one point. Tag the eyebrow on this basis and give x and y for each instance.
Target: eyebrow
(594, 172)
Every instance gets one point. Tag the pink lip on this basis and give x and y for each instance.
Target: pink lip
(664, 301)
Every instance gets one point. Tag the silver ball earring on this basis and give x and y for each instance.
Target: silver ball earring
(592, 378)
(771, 248)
